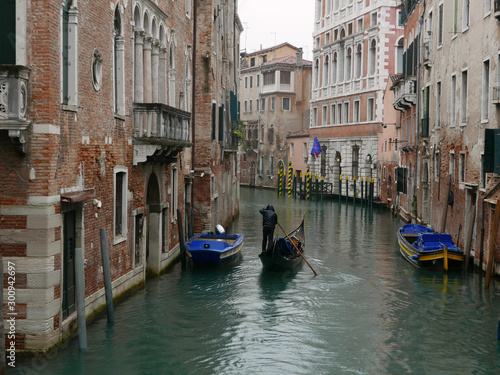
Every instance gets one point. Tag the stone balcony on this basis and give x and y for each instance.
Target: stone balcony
(160, 132)
(14, 81)
(405, 93)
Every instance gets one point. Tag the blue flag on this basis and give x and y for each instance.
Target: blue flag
(316, 149)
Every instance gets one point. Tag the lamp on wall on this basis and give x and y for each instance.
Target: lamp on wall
(337, 157)
(368, 158)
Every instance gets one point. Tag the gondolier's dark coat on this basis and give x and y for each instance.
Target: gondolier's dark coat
(269, 217)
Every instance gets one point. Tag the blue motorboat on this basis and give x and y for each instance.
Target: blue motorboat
(425, 248)
(219, 249)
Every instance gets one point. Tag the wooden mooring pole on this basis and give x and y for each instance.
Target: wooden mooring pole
(108, 290)
(491, 251)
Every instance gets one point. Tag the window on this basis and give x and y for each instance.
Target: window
(440, 22)
(304, 150)
(326, 70)
(69, 53)
(120, 201)
(437, 165)
(348, 64)
(334, 68)
(258, 80)
(269, 78)
(315, 117)
(357, 62)
(262, 104)
(346, 112)
(355, 160)
(246, 82)
(257, 102)
(332, 114)
(270, 135)
(466, 15)
(245, 105)
(373, 19)
(251, 81)
(356, 115)
(360, 25)
(487, 6)
(264, 58)
(482, 178)
(187, 6)
(315, 74)
(455, 17)
(372, 57)
(461, 175)
(286, 104)
(324, 116)
(271, 164)
(486, 91)
(438, 105)
(119, 64)
(174, 195)
(291, 150)
(399, 56)
(371, 109)
(252, 61)
(453, 101)
(463, 100)
(251, 109)
(452, 167)
(339, 112)
(272, 103)
(285, 78)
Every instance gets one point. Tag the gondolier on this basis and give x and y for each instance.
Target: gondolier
(269, 221)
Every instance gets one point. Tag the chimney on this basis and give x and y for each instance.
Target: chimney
(298, 58)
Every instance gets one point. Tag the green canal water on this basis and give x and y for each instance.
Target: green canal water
(367, 312)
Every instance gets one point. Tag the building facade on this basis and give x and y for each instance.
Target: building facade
(453, 181)
(274, 97)
(354, 52)
(97, 137)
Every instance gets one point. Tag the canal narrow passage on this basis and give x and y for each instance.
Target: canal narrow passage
(367, 312)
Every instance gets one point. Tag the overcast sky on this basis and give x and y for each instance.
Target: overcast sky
(267, 23)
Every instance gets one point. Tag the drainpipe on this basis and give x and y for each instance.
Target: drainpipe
(420, 21)
(193, 106)
(481, 252)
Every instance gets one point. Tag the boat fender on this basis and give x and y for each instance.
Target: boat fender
(220, 229)
(414, 257)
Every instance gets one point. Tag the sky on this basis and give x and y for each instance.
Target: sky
(268, 23)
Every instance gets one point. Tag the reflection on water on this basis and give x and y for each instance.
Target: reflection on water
(367, 312)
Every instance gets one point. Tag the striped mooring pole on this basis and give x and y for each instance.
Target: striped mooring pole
(290, 172)
(280, 178)
(340, 189)
(308, 185)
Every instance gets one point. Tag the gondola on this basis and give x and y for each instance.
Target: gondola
(427, 249)
(282, 255)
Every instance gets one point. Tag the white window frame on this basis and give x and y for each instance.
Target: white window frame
(485, 97)
(289, 104)
(122, 236)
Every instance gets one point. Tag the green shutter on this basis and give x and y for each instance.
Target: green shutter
(8, 32)
(213, 120)
(221, 123)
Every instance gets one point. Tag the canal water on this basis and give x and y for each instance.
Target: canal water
(367, 312)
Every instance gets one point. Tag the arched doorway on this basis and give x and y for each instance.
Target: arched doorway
(252, 174)
(153, 235)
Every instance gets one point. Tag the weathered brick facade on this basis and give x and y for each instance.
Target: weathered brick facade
(97, 134)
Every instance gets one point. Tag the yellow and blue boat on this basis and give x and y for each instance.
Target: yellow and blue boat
(425, 248)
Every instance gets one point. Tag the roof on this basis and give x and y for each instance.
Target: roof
(272, 48)
(286, 60)
(299, 134)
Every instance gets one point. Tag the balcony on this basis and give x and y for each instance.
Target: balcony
(405, 94)
(160, 132)
(14, 103)
(496, 9)
(230, 142)
(426, 53)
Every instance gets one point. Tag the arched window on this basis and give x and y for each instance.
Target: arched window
(171, 73)
(372, 57)
(119, 63)
(138, 57)
(69, 88)
(326, 70)
(399, 55)
(358, 62)
(316, 74)
(348, 64)
(334, 68)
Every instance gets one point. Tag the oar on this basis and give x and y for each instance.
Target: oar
(296, 248)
